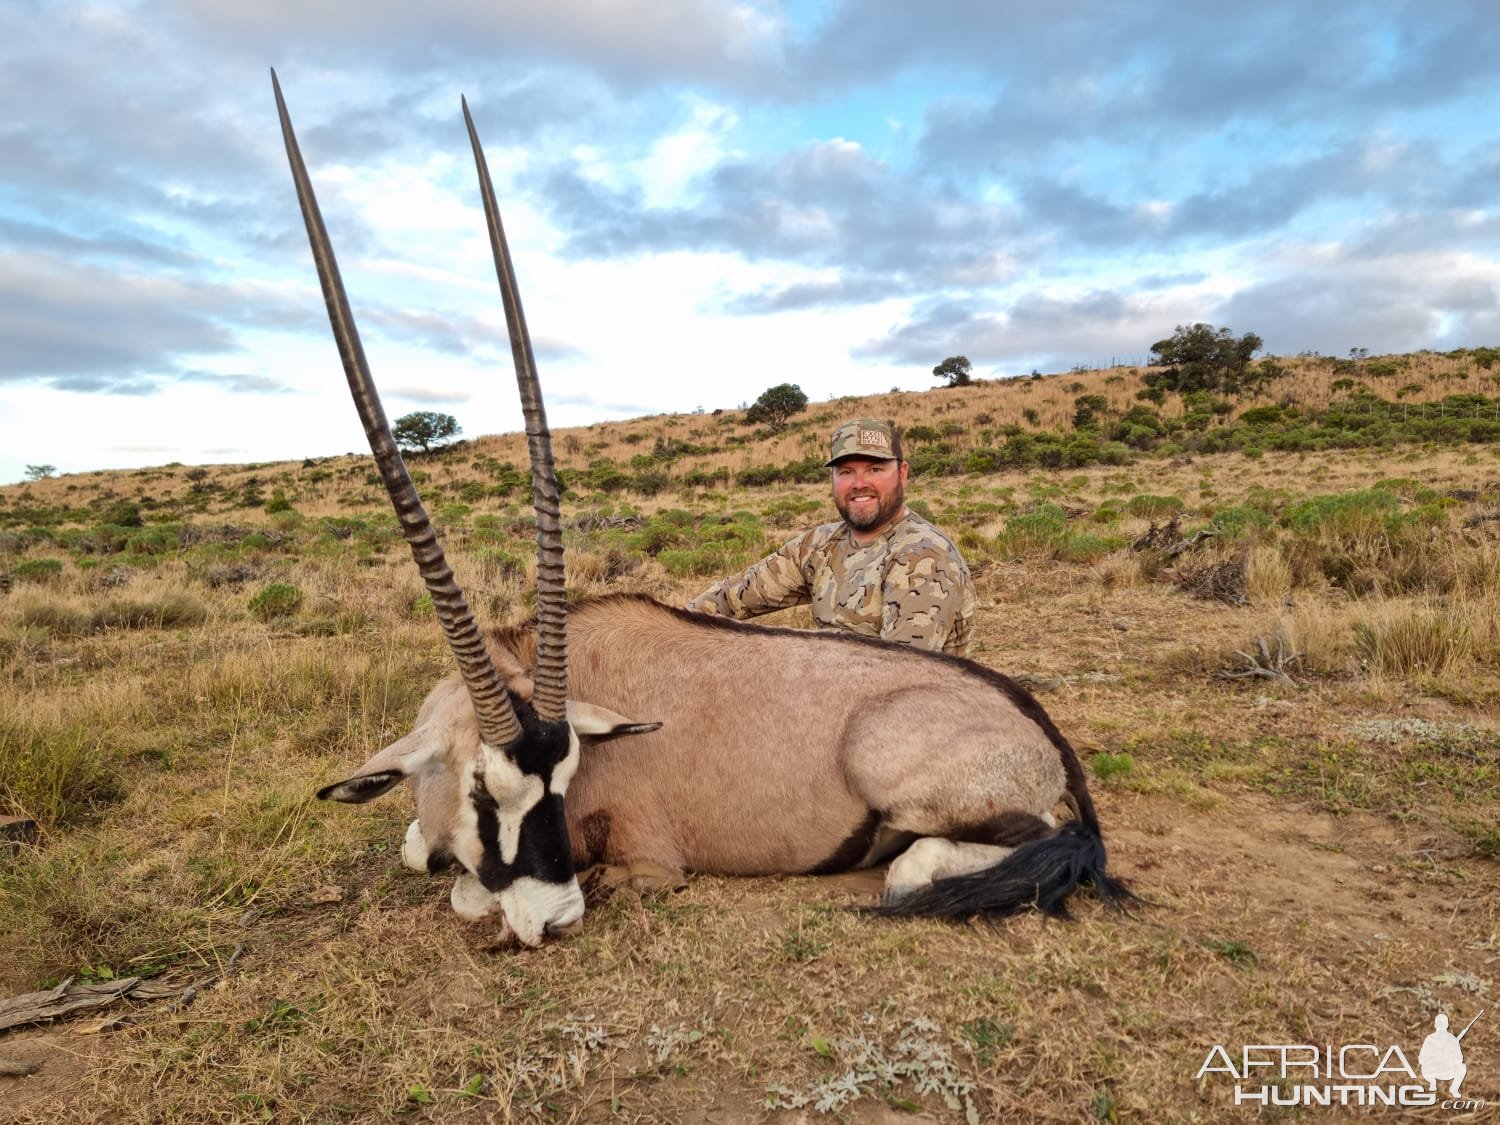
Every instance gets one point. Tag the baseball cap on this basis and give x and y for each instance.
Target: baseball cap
(863, 437)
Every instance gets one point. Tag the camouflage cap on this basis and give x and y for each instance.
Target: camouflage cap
(864, 437)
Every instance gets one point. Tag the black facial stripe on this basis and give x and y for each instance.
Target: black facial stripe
(542, 745)
(543, 850)
(440, 861)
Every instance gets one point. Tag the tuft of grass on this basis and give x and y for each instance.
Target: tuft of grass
(1240, 954)
(66, 617)
(1107, 767)
(1148, 507)
(172, 609)
(53, 771)
(58, 617)
(988, 1036)
(277, 600)
(1268, 575)
(1401, 639)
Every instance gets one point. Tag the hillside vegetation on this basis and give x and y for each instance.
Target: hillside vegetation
(1269, 620)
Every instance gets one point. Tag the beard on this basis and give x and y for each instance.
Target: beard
(883, 512)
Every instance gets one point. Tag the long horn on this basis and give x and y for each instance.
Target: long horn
(497, 719)
(551, 676)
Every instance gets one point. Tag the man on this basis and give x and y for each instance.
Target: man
(882, 571)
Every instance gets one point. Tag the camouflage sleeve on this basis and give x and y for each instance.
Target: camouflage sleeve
(776, 582)
(929, 600)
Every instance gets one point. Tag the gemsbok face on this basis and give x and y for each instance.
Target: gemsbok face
(489, 797)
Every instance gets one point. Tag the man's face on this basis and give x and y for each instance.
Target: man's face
(868, 493)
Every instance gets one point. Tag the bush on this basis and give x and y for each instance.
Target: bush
(279, 599)
(42, 572)
(1148, 507)
(757, 476)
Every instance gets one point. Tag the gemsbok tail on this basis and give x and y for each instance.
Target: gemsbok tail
(1039, 875)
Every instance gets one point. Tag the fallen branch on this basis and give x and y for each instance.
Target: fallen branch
(1182, 545)
(67, 998)
(1267, 666)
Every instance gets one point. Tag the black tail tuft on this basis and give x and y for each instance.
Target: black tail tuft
(1039, 874)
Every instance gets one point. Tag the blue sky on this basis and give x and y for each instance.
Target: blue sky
(707, 198)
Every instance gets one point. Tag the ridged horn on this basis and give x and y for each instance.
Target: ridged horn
(497, 719)
(551, 675)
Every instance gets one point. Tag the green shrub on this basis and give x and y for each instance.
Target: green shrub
(1148, 507)
(758, 476)
(257, 541)
(42, 572)
(1239, 521)
(279, 599)
(122, 513)
(1038, 533)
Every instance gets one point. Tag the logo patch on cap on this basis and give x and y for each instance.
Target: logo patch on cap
(864, 437)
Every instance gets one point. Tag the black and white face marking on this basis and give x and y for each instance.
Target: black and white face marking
(511, 835)
(498, 820)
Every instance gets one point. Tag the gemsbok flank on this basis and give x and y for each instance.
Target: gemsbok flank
(763, 750)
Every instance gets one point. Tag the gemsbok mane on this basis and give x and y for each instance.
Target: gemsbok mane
(751, 750)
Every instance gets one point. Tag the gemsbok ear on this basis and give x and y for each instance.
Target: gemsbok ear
(600, 724)
(365, 787)
(386, 769)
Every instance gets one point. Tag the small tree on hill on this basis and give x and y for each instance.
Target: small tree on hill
(776, 405)
(955, 369)
(1200, 358)
(424, 429)
(40, 472)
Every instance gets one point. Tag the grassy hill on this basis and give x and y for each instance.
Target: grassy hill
(1270, 622)
(1300, 404)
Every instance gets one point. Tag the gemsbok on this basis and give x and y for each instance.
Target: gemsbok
(743, 750)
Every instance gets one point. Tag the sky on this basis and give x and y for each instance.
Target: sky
(708, 198)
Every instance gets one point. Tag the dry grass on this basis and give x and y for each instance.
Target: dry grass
(1319, 846)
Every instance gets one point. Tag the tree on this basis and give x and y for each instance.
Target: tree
(955, 369)
(424, 428)
(1200, 358)
(37, 472)
(776, 405)
(1088, 409)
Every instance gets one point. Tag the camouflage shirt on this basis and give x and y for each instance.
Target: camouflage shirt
(909, 585)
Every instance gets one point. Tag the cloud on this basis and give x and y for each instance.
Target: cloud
(428, 396)
(96, 327)
(631, 43)
(1046, 332)
(1398, 303)
(845, 289)
(827, 204)
(239, 383)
